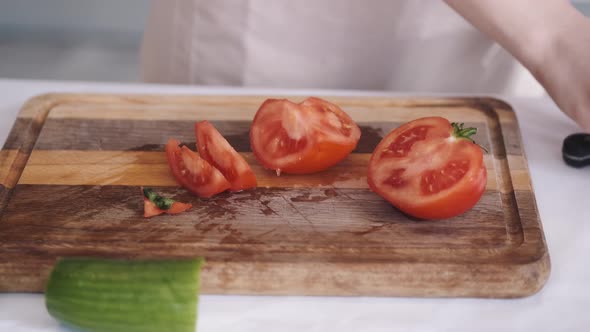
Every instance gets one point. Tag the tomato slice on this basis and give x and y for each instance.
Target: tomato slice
(215, 149)
(193, 172)
(154, 204)
(429, 168)
(179, 207)
(302, 138)
(150, 209)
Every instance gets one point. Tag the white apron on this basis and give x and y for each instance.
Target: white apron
(409, 45)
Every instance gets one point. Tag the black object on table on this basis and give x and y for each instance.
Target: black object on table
(576, 150)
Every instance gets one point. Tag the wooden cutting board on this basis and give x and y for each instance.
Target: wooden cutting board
(72, 166)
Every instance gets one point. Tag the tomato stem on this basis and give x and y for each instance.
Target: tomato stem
(459, 131)
(161, 202)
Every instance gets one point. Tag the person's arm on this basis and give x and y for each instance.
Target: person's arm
(549, 37)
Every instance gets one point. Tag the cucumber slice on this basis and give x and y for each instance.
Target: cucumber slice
(119, 295)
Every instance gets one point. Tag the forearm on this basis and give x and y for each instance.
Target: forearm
(525, 28)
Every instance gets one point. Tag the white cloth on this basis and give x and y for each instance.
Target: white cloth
(407, 45)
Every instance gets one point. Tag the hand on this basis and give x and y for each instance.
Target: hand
(562, 66)
(550, 38)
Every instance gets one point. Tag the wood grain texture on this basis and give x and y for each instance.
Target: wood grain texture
(150, 168)
(72, 167)
(292, 217)
(149, 135)
(7, 159)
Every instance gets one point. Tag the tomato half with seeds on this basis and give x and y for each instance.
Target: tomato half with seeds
(302, 138)
(215, 149)
(193, 172)
(429, 168)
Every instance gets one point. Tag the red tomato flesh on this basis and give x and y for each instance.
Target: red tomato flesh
(154, 204)
(426, 171)
(193, 172)
(150, 209)
(216, 150)
(302, 138)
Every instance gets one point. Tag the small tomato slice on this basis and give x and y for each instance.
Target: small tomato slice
(429, 168)
(179, 207)
(150, 209)
(154, 204)
(302, 138)
(193, 172)
(215, 149)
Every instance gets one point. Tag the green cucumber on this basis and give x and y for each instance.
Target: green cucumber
(120, 295)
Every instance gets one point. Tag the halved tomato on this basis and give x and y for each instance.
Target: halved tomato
(193, 172)
(429, 169)
(214, 148)
(302, 138)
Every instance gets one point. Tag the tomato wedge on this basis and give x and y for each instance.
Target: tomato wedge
(193, 172)
(302, 138)
(150, 209)
(154, 204)
(429, 168)
(215, 149)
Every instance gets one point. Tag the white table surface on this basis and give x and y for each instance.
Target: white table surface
(563, 197)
